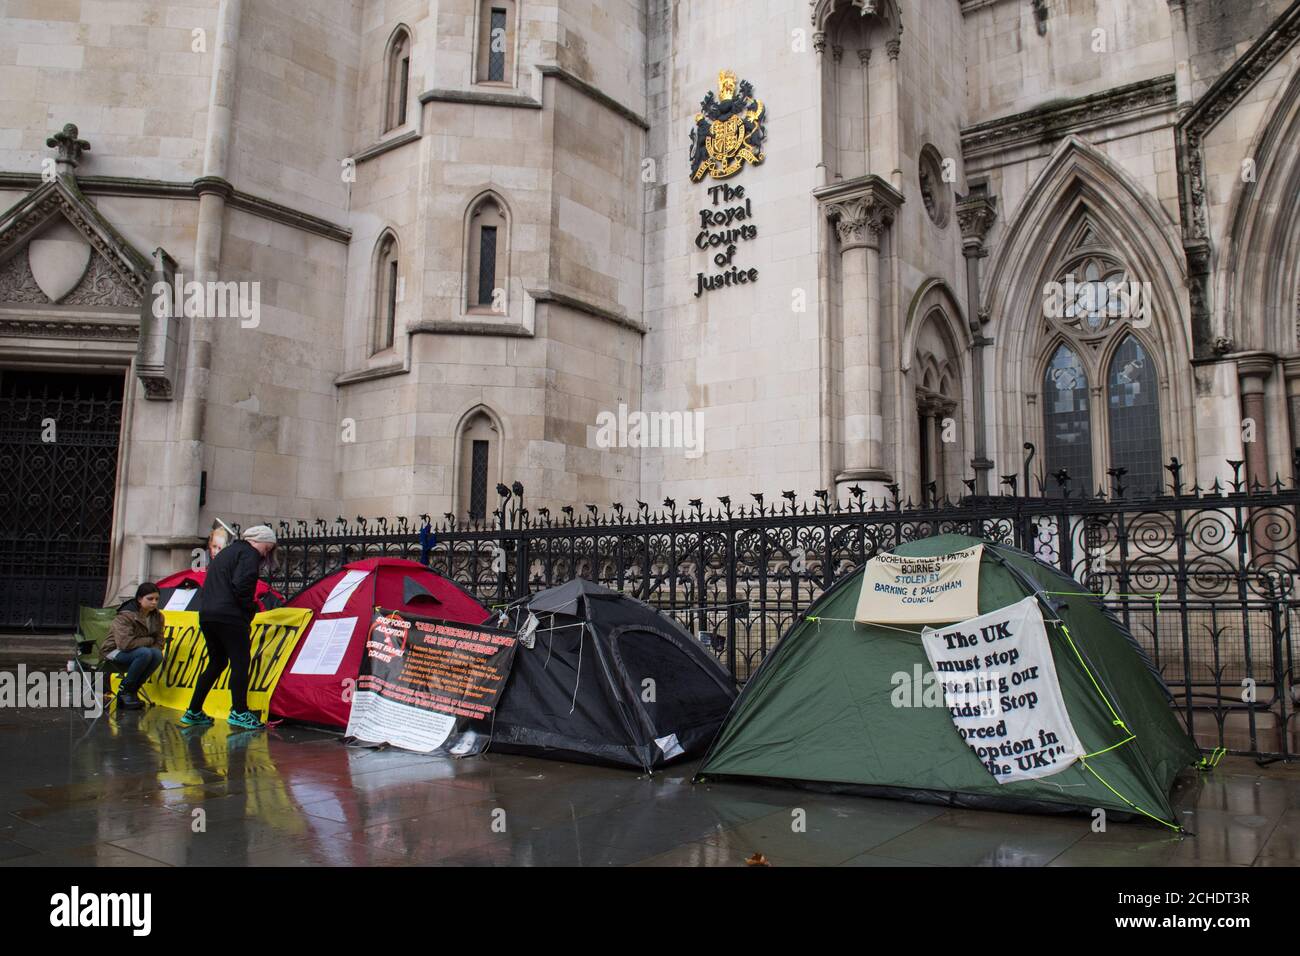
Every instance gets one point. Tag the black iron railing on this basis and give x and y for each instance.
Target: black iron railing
(1204, 577)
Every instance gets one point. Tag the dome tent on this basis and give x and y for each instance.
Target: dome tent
(312, 688)
(821, 710)
(608, 679)
(191, 580)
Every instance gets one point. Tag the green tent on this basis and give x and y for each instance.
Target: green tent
(821, 710)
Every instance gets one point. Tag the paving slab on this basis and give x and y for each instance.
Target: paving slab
(135, 789)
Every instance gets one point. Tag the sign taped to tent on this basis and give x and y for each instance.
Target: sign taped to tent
(906, 590)
(429, 685)
(1000, 687)
(274, 635)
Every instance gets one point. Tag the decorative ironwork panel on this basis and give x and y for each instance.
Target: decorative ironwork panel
(58, 455)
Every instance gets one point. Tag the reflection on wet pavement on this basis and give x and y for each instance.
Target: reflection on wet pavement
(136, 789)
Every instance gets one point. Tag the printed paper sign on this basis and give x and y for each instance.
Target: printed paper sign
(999, 684)
(430, 685)
(325, 646)
(180, 599)
(904, 590)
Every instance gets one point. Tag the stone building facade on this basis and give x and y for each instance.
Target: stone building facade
(471, 235)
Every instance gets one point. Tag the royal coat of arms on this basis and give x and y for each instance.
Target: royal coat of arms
(728, 130)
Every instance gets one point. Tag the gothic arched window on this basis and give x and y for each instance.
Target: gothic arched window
(397, 78)
(487, 259)
(940, 455)
(496, 42)
(479, 456)
(1101, 386)
(387, 284)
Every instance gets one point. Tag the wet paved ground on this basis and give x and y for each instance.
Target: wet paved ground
(123, 790)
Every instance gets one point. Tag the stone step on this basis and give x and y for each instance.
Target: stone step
(43, 649)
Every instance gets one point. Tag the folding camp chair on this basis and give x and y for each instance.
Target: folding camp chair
(93, 624)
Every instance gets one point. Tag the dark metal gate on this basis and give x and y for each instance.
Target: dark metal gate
(58, 458)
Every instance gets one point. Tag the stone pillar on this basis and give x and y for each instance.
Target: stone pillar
(862, 209)
(1253, 369)
(826, 89)
(214, 189)
(864, 58)
(931, 427)
(943, 461)
(1182, 61)
(891, 126)
(975, 214)
(1291, 367)
(860, 307)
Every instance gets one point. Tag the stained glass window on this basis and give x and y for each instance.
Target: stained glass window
(1066, 423)
(1135, 418)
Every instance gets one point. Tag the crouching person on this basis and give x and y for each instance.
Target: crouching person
(137, 637)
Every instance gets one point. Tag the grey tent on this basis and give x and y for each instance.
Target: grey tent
(609, 679)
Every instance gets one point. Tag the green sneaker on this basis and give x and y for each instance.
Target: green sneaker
(245, 720)
(196, 718)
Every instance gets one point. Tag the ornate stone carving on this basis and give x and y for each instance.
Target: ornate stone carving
(860, 221)
(17, 284)
(69, 147)
(62, 329)
(1053, 122)
(63, 197)
(1274, 44)
(19, 229)
(156, 387)
(860, 208)
(884, 12)
(975, 216)
(102, 286)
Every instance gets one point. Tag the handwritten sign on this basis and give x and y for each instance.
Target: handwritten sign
(999, 684)
(905, 590)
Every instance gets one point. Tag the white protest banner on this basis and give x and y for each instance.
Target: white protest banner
(902, 590)
(999, 685)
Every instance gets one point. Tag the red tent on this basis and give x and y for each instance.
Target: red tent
(311, 688)
(190, 580)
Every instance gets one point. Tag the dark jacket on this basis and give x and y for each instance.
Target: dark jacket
(230, 588)
(132, 629)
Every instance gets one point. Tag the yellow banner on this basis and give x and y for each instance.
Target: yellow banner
(274, 636)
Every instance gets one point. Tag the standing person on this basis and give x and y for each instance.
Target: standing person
(229, 603)
(137, 637)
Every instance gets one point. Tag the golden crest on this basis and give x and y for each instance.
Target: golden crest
(729, 130)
